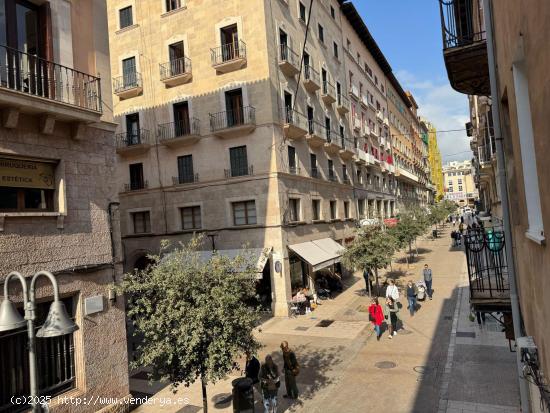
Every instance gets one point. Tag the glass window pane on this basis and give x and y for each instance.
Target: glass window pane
(8, 198)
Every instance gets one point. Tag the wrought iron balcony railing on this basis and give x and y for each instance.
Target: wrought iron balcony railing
(136, 186)
(239, 171)
(26, 73)
(286, 54)
(228, 52)
(178, 129)
(130, 80)
(175, 67)
(232, 118)
(137, 137)
(328, 88)
(461, 23)
(311, 74)
(314, 172)
(185, 178)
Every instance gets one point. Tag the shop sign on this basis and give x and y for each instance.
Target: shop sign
(26, 174)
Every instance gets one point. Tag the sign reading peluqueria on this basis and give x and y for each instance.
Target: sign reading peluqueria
(27, 174)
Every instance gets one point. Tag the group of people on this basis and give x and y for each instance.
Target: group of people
(268, 377)
(388, 314)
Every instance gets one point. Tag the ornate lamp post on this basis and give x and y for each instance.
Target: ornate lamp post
(57, 322)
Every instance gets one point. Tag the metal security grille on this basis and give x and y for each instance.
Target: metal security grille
(54, 357)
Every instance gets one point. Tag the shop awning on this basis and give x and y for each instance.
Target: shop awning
(259, 255)
(320, 253)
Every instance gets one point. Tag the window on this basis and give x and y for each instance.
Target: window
(125, 17)
(368, 69)
(316, 209)
(229, 37)
(460, 188)
(348, 45)
(361, 207)
(359, 177)
(129, 73)
(136, 177)
(346, 209)
(185, 169)
(142, 222)
(173, 5)
(244, 213)
(451, 189)
(321, 33)
(376, 80)
(302, 11)
(450, 183)
(345, 172)
(191, 217)
(176, 53)
(313, 165)
(335, 48)
(238, 161)
(292, 160)
(294, 209)
(333, 210)
(460, 181)
(331, 170)
(235, 114)
(332, 12)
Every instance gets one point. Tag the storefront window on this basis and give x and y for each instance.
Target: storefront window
(298, 273)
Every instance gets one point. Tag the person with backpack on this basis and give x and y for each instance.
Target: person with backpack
(412, 292)
(292, 369)
(270, 383)
(376, 316)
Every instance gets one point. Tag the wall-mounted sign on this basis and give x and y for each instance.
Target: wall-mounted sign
(26, 174)
(93, 305)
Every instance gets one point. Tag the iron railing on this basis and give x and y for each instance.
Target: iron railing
(26, 73)
(294, 170)
(127, 81)
(293, 117)
(315, 128)
(286, 54)
(137, 137)
(328, 88)
(342, 100)
(136, 186)
(175, 67)
(311, 74)
(461, 23)
(232, 118)
(239, 171)
(185, 178)
(484, 154)
(314, 172)
(487, 265)
(228, 52)
(178, 129)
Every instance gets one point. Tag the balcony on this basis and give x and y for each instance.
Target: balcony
(342, 104)
(236, 172)
(383, 141)
(386, 122)
(312, 82)
(328, 94)
(179, 134)
(289, 61)
(379, 116)
(295, 125)
(315, 173)
(364, 101)
(233, 123)
(357, 123)
(360, 157)
(133, 143)
(354, 91)
(229, 57)
(316, 134)
(33, 85)
(487, 270)
(185, 179)
(128, 85)
(176, 72)
(465, 46)
(347, 151)
(331, 145)
(136, 186)
(295, 170)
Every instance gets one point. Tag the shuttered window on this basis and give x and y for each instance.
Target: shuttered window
(125, 16)
(238, 161)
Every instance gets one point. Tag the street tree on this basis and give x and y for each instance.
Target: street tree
(372, 249)
(192, 314)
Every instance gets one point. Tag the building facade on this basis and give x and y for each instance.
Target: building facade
(497, 55)
(459, 183)
(58, 201)
(228, 126)
(435, 163)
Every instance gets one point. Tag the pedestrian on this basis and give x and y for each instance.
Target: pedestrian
(390, 314)
(367, 275)
(392, 290)
(412, 292)
(461, 228)
(292, 369)
(427, 273)
(453, 238)
(252, 367)
(376, 316)
(270, 383)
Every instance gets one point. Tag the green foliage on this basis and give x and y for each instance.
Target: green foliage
(192, 314)
(372, 248)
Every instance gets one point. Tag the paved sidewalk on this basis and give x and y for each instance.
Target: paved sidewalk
(439, 362)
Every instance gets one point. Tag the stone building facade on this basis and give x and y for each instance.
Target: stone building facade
(58, 202)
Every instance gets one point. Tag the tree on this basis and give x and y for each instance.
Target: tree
(192, 314)
(410, 226)
(372, 249)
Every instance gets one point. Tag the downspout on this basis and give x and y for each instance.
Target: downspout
(501, 177)
(112, 236)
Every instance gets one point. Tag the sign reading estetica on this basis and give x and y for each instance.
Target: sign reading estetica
(26, 174)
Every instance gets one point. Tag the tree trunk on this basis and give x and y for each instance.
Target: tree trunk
(369, 284)
(204, 398)
(416, 247)
(377, 283)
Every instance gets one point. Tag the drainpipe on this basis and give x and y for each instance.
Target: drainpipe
(501, 176)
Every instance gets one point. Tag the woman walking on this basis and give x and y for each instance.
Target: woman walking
(412, 292)
(390, 314)
(270, 383)
(376, 316)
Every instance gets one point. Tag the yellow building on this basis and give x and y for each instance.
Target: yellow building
(434, 160)
(459, 183)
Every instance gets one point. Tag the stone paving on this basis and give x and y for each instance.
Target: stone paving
(439, 361)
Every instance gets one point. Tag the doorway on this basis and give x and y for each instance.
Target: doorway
(234, 107)
(182, 126)
(230, 42)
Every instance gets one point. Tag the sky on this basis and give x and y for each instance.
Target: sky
(409, 34)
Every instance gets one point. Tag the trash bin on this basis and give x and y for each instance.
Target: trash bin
(434, 233)
(243, 395)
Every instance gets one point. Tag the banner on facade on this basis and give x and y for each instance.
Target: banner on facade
(26, 174)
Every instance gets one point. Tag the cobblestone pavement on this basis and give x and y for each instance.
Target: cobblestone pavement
(439, 361)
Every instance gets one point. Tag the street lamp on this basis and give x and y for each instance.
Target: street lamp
(58, 322)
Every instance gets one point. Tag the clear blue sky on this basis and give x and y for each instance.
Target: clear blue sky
(409, 34)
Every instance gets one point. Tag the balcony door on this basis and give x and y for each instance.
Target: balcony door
(230, 42)
(234, 107)
(182, 125)
(283, 42)
(132, 129)
(136, 176)
(288, 107)
(129, 72)
(176, 52)
(310, 118)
